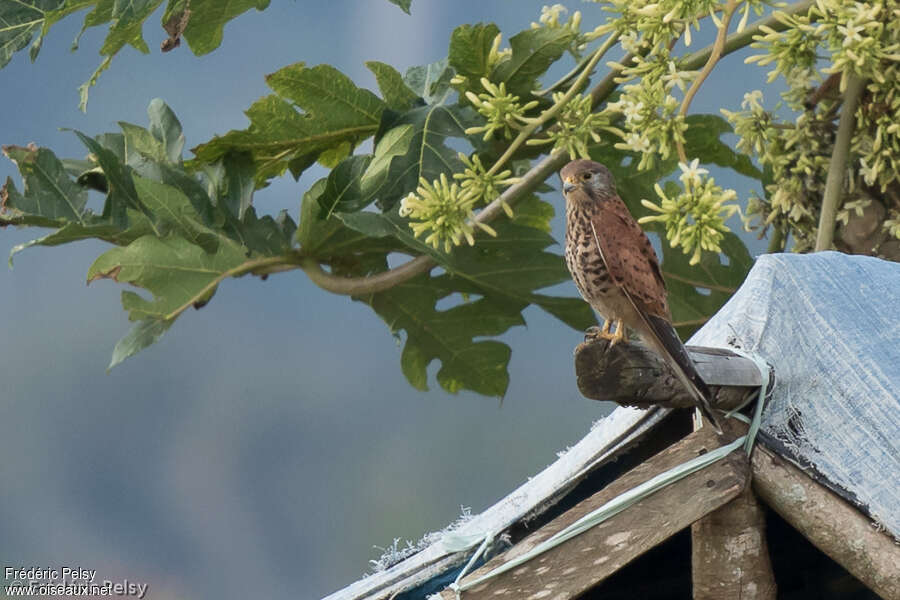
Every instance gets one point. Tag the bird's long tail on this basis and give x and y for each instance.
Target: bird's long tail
(676, 356)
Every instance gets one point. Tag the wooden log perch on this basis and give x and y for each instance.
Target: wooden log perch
(829, 522)
(729, 553)
(631, 374)
(580, 563)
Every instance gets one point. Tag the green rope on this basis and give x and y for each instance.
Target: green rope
(632, 496)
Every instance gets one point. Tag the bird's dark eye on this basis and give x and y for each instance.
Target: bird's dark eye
(586, 176)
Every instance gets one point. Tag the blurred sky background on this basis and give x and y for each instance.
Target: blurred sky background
(269, 441)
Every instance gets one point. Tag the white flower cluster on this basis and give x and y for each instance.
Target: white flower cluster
(442, 212)
(816, 53)
(695, 216)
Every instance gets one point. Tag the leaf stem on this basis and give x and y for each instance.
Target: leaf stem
(269, 264)
(358, 286)
(837, 169)
(371, 284)
(565, 78)
(777, 243)
(714, 56)
(608, 84)
(736, 41)
(551, 112)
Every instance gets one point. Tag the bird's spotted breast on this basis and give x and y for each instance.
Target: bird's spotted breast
(584, 259)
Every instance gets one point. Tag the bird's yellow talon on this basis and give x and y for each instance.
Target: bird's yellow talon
(604, 333)
(619, 335)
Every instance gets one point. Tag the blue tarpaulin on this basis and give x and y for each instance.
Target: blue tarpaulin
(829, 324)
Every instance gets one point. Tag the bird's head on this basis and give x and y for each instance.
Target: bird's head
(588, 176)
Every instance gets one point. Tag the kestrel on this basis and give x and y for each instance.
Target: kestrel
(617, 272)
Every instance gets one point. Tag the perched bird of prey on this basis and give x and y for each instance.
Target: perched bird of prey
(616, 270)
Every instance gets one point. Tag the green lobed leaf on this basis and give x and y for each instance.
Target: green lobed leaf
(508, 268)
(115, 142)
(143, 334)
(428, 154)
(449, 335)
(264, 235)
(531, 211)
(505, 271)
(237, 195)
(394, 90)
(395, 143)
(403, 4)
(226, 204)
(470, 47)
(174, 213)
(336, 112)
(174, 175)
(515, 265)
(178, 234)
(101, 14)
(343, 189)
(329, 238)
(702, 141)
(127, 26)
(178, 273)
(20, 21)
(313, 231)
(166, 128)
(697, 292)
(533, 51)
(53, 199)
(122, 195)
(277, 136)
(331, 157)
(206, 26)
(430, 82)
(140, 149)
(95, 228)
(326, 93)
(358, 180)
(50, 197)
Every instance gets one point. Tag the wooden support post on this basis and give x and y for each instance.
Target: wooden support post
(582, 562)
(830, 523)
(729, 554)
(631, 374)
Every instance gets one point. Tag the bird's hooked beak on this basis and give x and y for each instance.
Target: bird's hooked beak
(568, 185)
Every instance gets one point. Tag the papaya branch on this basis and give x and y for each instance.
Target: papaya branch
(834, 185)
(355, 286)
(714, 56)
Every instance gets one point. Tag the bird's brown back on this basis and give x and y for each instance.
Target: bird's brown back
(634, 265)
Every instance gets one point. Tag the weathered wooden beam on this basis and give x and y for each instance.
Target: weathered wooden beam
(729, 553)
(585, 560)
(631, 374)
(829, 522)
